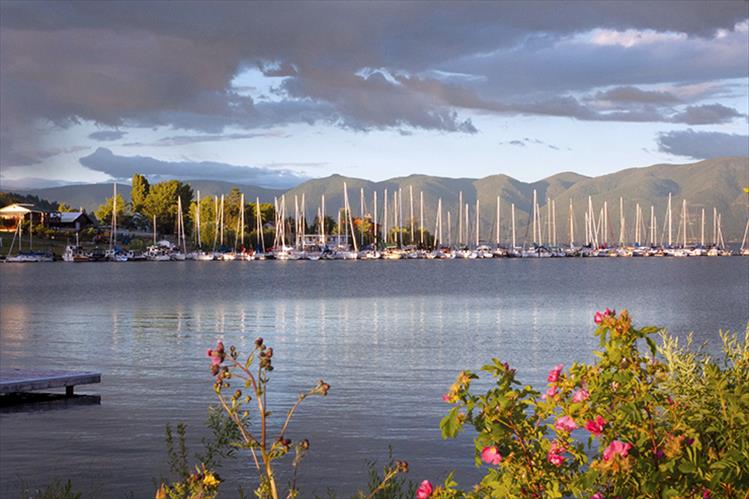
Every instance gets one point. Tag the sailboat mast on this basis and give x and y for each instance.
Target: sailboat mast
(535, 241)
(440, 219)
(669, 220)
(548, 221)
(460, 218)
(478, 211)
(684, 220)
(421, 218)
(197, 217)
(621, 221)
(411, 201)
(572, 226)
(497, 220)
(374, 227)
(222, 221)
(512, 210)
(347, 208)
(385, 217)
(400, 216)
(241, 215)
(554, 222)
(259, 223)
(322, 217)
(465, 211)
(702, 229)
(361, 225)
(652, 225)
(743, 240)
(449, 230)
(605, 223)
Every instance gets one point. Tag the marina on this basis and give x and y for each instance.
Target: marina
(388, 236)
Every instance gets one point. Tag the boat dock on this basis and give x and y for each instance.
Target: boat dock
(27, 380)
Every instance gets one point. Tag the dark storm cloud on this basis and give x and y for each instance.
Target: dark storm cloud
(706, 115)
(702, 145)
(123, 167)
(636, 95)
(107, 135)
(134, 64)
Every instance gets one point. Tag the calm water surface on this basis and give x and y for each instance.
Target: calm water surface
(388, 336)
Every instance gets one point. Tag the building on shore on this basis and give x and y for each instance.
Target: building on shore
(13, 214)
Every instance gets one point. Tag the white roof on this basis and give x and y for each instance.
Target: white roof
(17, 209)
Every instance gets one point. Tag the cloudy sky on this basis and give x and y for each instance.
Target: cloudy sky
(272, 93)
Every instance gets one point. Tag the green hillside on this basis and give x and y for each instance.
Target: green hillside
(706, 184)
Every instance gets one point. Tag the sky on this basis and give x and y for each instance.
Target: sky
(272, 94)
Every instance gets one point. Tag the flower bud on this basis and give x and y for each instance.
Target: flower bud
(305, 444)
(401, 466)
(258, 342)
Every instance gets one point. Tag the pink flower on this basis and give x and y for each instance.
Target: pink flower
(554, 373)
(566, 424)
(595, 426)
(616, 448)
(598, 318)
(597, 495)
(490, 455)
(446, 398)
(555, 456)
(424, 490)
(580, 395)
(551, 392)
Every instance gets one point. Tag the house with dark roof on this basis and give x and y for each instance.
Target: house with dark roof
(70, 220)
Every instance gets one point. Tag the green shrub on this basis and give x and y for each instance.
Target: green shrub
(641, 421)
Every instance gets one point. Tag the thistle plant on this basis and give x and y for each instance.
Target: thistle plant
(639, 422)
(241, 386)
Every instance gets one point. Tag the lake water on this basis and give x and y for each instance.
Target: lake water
(389, 337)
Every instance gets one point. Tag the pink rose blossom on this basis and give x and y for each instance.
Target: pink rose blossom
(595, 426)
(566, 424)
(446, 398)
(554, 373)
(555, 456)
(616, 448)
(550, 393)
(490, 455)
(598, 318)
(424, 490)
(580, 395)
(597, 495)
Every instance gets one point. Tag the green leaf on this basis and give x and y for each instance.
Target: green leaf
(450, 424)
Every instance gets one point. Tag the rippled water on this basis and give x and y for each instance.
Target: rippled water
(388, 336)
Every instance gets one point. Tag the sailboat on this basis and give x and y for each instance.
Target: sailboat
(744, 251)
(26, 256)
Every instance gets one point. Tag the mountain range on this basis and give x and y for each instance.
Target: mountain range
(718, 183)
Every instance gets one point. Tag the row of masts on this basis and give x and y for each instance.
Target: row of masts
(392, 229)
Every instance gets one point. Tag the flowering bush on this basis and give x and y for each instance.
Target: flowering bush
(642, 421)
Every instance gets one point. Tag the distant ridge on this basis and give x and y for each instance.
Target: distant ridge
(705, 184)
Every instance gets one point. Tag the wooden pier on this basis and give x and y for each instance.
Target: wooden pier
(27, 380)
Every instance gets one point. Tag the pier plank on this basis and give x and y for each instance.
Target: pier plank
(26, 380)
